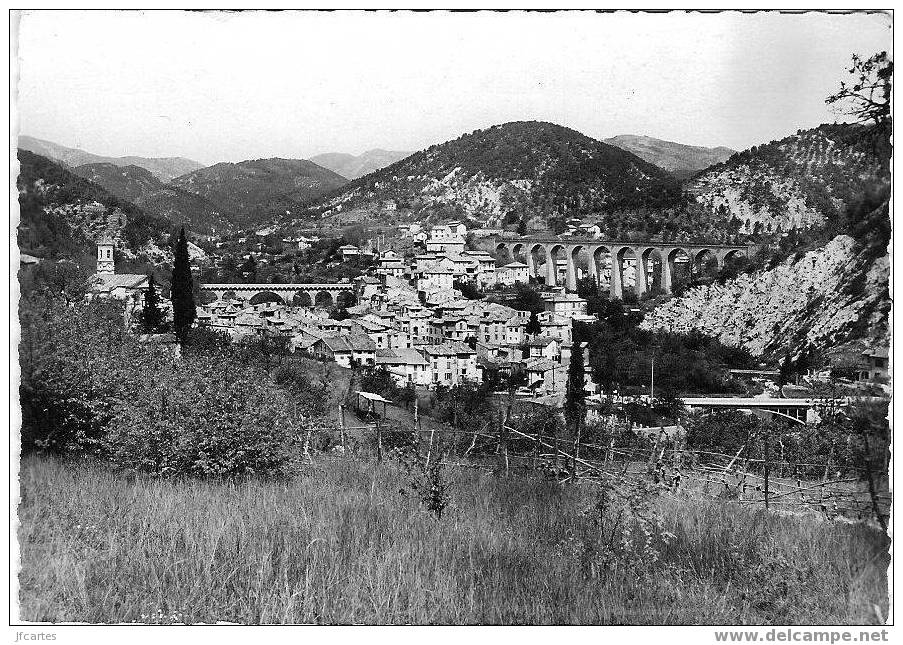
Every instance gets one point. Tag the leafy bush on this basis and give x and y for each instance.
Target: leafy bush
(203, 417)
(73, 360)
(88, 386)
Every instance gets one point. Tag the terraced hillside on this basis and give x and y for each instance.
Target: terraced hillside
(797, 182)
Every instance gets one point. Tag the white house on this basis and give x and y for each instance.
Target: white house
(349, 251)
(569, 305)
(445, 245)
(485, 272)
(451, 363)
(391, 263)
(405, 365)
(544, 347)
(512, 273)
(448, 230)
(514, 330)
(436, 275)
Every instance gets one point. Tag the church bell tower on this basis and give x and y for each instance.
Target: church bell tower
(105, 255)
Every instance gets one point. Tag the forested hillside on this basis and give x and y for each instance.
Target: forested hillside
(254, 190)
(797, 182)
(62, 214)
(141, 187)
(522, 171)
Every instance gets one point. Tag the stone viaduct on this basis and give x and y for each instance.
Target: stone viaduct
(613, 254)
(317, 293)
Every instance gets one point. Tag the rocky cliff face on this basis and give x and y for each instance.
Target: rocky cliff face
(823, 298)
(62, 214)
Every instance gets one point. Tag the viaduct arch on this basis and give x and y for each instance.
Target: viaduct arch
(313, 293)
(642, 253)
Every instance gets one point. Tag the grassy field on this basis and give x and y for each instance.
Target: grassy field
(343, 544)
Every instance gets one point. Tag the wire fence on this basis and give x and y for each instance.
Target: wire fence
(855, 493)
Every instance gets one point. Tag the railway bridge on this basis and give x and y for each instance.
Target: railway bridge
(609, 256)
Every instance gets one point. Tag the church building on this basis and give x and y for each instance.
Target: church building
(106, 283)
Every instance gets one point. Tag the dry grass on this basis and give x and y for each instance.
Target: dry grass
(342, 544)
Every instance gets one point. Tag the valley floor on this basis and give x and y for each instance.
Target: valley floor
(347, 542)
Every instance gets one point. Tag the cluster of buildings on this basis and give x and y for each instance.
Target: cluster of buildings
(446, 261)
(437, 342)
(409, 319)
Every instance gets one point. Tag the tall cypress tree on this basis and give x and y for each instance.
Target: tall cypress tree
(575, 393)
(152, 318)
(183, 308)
(533, 327)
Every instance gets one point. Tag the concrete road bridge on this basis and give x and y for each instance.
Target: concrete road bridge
(324, 295)
(803, 411)
(610, 256)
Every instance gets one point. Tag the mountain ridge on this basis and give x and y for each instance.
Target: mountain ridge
(534, 169)
(141, 187)
(254, 189)
(61, 215)
(164, 168)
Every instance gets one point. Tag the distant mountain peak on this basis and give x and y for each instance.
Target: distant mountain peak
(254, 189)
(681, 160)
(355, 166)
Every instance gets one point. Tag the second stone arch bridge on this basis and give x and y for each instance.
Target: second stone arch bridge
(610, 256)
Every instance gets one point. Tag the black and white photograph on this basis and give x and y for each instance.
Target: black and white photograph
(451, 318)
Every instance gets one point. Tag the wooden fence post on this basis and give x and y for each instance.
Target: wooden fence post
(342, 425)
(379, 442)
(429, 450)
(867, 463)
(503, 440)
(650, 465)
(576, 452)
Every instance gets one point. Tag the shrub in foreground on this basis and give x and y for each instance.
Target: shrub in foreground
(204, 417)
(88, 386)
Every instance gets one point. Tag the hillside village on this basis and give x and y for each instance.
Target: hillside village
(408, 317)
(438, 331)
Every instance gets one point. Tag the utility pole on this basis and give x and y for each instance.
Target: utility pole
(652, 379)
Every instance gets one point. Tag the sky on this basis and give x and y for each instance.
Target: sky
(217, 86)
